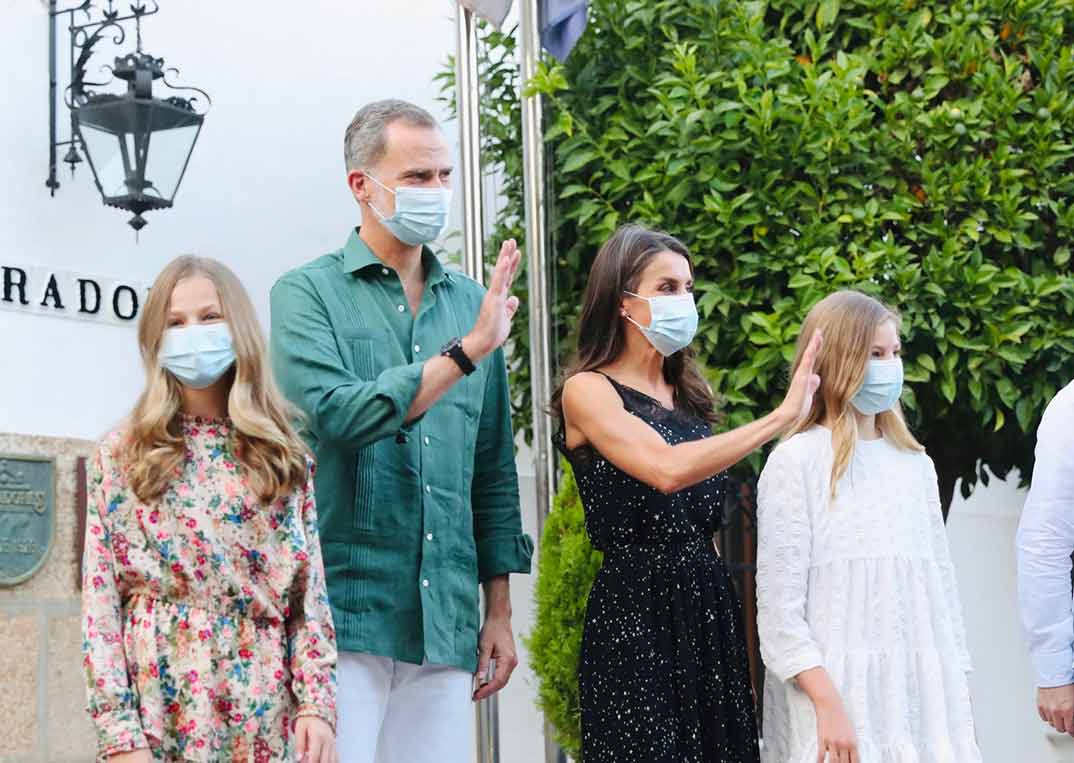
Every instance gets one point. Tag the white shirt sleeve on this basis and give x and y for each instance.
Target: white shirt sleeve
(783, 561)
(941, 552)
(1044, 546)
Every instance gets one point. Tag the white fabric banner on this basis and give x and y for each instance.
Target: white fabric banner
(490, 10)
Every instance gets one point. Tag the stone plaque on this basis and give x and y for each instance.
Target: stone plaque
(27, 515)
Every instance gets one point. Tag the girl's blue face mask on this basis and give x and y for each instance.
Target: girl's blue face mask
(882, 387)
(672, 322)
(421, 214)
(197, 355)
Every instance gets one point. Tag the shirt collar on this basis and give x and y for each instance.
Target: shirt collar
(358, 257)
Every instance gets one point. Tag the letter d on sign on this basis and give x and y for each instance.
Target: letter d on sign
(82, 294)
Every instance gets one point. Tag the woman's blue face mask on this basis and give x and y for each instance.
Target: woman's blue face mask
(672, 322)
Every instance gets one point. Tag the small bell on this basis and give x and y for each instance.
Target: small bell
(72, 158)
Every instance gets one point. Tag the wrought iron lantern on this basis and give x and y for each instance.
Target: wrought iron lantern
(138, 145)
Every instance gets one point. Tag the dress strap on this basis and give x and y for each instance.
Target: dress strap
(619, 388)
(635, 400)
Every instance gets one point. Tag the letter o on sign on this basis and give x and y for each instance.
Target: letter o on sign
(131, 303)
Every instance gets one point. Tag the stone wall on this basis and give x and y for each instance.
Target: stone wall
(42, 691)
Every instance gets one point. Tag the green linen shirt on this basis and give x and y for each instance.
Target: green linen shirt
(412, 516)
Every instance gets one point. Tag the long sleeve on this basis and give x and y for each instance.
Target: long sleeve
(942, 553)
(783, 560)
(1045, 543)
(310, 633)
(502, 547)
(341, 407)
(111, 703)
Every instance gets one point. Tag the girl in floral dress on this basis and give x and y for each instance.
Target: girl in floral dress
(206, 629)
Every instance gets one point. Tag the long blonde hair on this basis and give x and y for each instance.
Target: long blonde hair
(263, 438)
(848, 321)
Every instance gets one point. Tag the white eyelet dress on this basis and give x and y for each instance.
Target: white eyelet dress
(863, 586)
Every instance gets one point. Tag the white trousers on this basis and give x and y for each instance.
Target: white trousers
(395, 712)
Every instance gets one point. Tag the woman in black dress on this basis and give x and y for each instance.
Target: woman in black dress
(663, 675)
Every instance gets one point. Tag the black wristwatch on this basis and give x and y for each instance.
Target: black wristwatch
(453, 350)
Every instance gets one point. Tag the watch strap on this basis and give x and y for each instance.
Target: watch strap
(454, 350)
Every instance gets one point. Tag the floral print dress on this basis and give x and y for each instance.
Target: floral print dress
(205, 619)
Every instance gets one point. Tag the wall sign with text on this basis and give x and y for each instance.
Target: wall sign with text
(27, 515)
(63, 294)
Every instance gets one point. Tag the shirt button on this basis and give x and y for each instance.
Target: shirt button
(385, 271)
(429, 536)
(428, 489)
(425, 583)
(401, 308)
(426, 439)
(417, 348)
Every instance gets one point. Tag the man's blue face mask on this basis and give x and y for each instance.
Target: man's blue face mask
(421, 214)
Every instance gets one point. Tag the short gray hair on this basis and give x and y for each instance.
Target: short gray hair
(365, 141)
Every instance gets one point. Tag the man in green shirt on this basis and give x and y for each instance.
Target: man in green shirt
(398, 366)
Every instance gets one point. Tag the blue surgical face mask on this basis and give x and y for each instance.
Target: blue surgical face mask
(882, 387)
(197, 355)
(672, 322)
(421, 214)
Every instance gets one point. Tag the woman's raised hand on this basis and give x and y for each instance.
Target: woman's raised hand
(804, 385)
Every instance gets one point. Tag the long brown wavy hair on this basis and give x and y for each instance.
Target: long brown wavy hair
(601, 337)
(264, 440)
(848, 320)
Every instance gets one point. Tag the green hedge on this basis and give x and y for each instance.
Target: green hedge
(920, 151)
(565, 573)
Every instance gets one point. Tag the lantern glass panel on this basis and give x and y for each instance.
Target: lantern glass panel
(168, 153)
(112, 157)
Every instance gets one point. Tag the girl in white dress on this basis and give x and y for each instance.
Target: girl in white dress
(860, 621)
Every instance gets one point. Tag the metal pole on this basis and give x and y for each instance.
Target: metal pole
(52, 183)
(488, 730)
(539, 299)
(468, 93)
(537, 248)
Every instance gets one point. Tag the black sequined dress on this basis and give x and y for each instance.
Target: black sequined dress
(663, 675)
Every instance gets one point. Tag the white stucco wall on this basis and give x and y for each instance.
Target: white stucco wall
(981, 531)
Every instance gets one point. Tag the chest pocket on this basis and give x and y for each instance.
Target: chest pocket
(367, 352)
